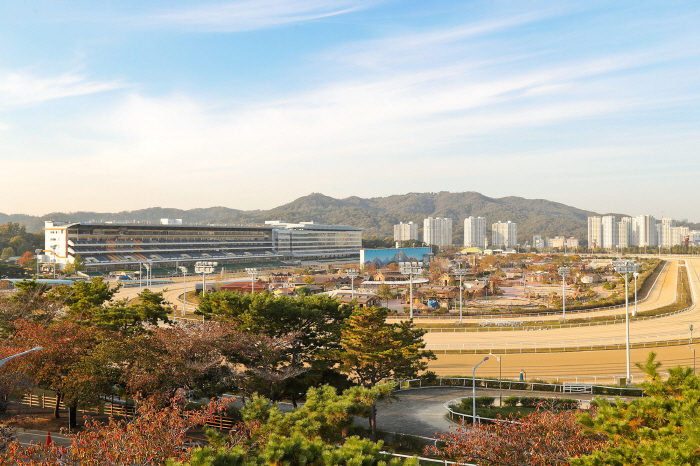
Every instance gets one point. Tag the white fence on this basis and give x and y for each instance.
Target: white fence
(650, 341)
(531, 385)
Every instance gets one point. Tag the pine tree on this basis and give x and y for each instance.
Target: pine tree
(374, 350)
(661, 428)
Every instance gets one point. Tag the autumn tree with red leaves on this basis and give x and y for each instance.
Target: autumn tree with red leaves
(545, 437)
(152, 437)
(65, 344)
(26, 257)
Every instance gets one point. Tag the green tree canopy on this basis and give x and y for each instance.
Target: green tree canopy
(7, 253)
(374, 350)
(315, 321)
(661, 428)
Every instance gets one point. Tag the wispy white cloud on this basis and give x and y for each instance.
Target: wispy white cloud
(246, 15)
(22, 88)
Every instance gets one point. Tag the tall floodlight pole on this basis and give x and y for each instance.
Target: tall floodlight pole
(147, 266)
(53, 248)
(140, 276)
(37, 252)
(253, 272)
(410, 269)
(474, 390)
(460, 273)
(352, 275)
(184, 290)
(205, 268)
(636, 274)
(563, 271)
(625, 268)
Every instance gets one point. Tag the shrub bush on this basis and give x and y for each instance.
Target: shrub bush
(511, 401)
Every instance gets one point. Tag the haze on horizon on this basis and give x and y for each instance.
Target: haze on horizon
(110, 106)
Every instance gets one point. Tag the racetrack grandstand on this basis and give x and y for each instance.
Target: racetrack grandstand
(106, 246)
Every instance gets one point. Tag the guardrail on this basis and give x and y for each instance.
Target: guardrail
(524, 326)
(532, 385)
(561, 346)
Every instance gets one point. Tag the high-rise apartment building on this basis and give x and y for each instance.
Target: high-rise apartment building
(665, 232)
(609, 232)
(624, 232)
(644, 231)
(406, 231)
(595, 233)
(538, 242)
(678, 235)
(504, 234)
(437, 231)
(475, 232)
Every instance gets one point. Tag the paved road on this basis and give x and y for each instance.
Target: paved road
(421, 412)
(648, 330)
(27, 436)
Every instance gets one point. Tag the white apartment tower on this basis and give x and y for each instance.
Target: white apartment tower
(595, 233)
(644, 231)
(406, 231)
(437, 231)
(678, 235)
(609, 232)
(624, 232)
(504, 234)
(665, 237)
(475, 232)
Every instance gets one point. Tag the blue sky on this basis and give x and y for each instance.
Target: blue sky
(250, 104)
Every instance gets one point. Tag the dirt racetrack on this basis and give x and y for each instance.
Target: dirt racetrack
(565, 366)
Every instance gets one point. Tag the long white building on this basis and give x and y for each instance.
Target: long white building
(504, 234)
(123, 246)
(437, 231)
(475, 232)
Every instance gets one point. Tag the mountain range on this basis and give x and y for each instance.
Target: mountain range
(375, 215)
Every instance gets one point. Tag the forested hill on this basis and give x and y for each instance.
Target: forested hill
(376, 215)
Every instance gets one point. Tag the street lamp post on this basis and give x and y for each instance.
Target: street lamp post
(563, 271)
(500, 378)
(693, 350)
(9, 358)
(410, 269)
(626, 268)
(184, 290)
(461, 273)
(352, 275)
(253, 272)
(474, 390)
